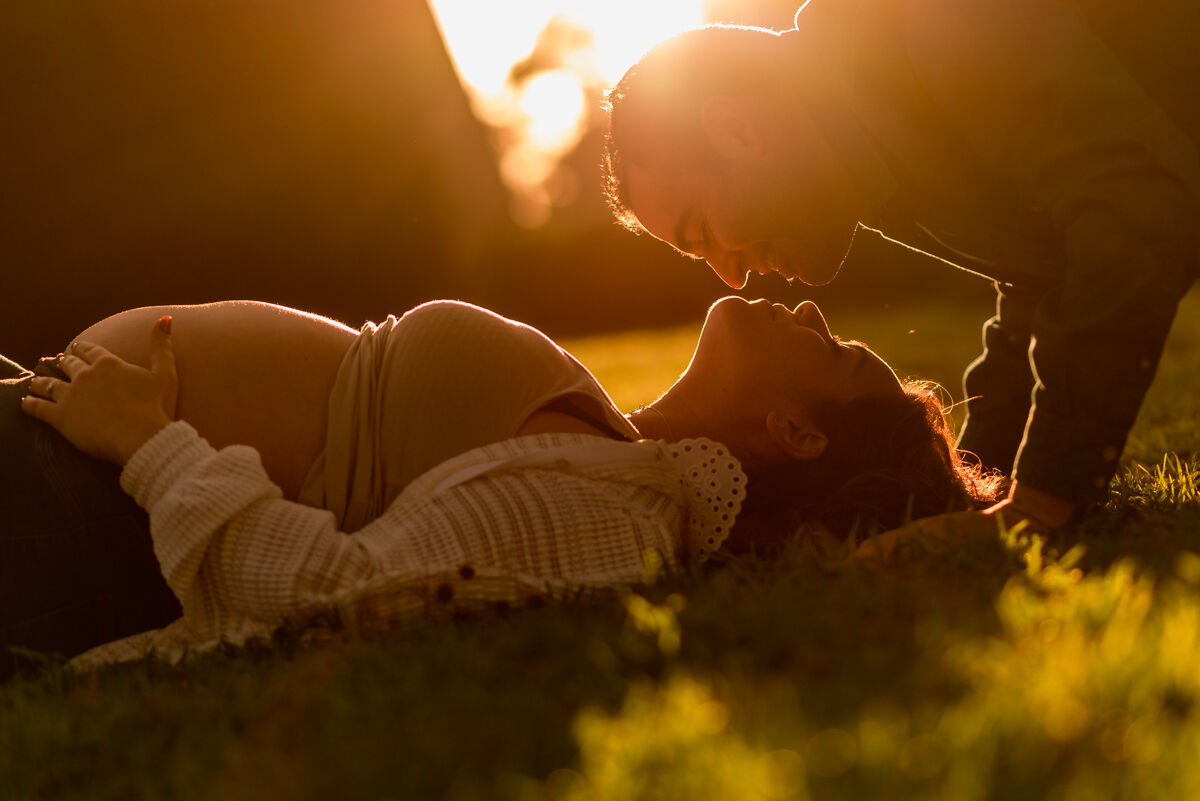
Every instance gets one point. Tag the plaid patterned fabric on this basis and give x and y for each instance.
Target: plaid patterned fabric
(539, 516)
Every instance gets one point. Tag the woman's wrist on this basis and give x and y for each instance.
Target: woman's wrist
(136, 433)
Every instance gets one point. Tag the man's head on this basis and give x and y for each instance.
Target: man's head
(712, 150)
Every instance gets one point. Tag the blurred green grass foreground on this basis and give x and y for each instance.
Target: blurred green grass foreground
(1023, 668)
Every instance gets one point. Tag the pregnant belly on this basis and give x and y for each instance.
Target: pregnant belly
(249, 373)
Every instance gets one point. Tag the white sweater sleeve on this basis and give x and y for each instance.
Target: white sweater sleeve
(226, 540)
(231, 547)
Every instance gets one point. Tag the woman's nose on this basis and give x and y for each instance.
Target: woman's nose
(809, 315)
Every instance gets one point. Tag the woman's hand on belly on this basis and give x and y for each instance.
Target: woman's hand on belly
(108, 408)
(250, 373)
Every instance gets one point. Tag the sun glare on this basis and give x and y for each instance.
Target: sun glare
(534, 68)
(553, 104)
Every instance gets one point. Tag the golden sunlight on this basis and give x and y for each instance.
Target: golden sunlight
(536, 70)
(553, 103)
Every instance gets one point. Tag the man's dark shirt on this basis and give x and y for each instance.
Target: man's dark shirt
(1003, 136)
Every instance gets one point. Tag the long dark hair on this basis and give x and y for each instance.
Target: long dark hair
(889, 460)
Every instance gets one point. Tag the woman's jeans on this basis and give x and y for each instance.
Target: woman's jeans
(76, 564)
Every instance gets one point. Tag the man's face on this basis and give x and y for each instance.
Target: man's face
(769, 212)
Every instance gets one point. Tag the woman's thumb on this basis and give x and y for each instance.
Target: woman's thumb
(162, 362)
(162, 354)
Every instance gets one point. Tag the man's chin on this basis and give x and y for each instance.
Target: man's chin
(807, 274)
(814, 269)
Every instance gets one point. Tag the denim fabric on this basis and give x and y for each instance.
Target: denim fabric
(76, 564)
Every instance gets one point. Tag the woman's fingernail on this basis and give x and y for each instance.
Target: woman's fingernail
(164, 323)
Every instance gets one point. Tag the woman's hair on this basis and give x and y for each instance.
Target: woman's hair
(889, 460)
(654, 110)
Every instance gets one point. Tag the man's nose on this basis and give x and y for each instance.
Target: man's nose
(730, 267)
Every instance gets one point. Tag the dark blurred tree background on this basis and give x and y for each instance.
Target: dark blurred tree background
(321, 155)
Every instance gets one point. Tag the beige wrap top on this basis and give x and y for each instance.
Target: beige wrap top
(443, 379)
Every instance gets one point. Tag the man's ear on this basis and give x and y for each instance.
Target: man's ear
(796, 436)
(731, 127)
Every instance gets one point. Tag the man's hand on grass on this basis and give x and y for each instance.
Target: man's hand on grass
(935, 533)
(1041, 511)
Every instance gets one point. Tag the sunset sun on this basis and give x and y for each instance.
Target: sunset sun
(534, 70)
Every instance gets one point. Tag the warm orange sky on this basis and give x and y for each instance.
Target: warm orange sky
(486, 39)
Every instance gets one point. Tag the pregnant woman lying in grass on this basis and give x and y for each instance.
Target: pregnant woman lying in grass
(285, 461)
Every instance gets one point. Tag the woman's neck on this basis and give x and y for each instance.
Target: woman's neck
(670, 418)
(675, 416)
(651, 423)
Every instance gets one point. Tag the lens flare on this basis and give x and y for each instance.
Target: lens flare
(570, 53)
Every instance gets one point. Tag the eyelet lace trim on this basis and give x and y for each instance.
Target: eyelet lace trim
(714, 487)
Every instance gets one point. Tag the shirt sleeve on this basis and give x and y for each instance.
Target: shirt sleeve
(1049, 107)
(231, 547)
(999, 384)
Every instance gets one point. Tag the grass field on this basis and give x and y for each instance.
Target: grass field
(1013, 669)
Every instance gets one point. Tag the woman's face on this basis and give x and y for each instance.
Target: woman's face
(758, 353)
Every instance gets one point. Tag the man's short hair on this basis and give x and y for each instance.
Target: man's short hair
(654, 110)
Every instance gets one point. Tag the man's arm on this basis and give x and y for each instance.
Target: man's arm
(1046, 104)
(999, 384)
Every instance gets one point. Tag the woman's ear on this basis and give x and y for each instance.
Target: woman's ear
(731, 127)
(796, 436)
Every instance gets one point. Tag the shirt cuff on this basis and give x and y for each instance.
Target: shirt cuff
(1068, 459)
(163, 460)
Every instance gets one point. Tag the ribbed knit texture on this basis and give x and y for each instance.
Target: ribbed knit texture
(549, 513)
